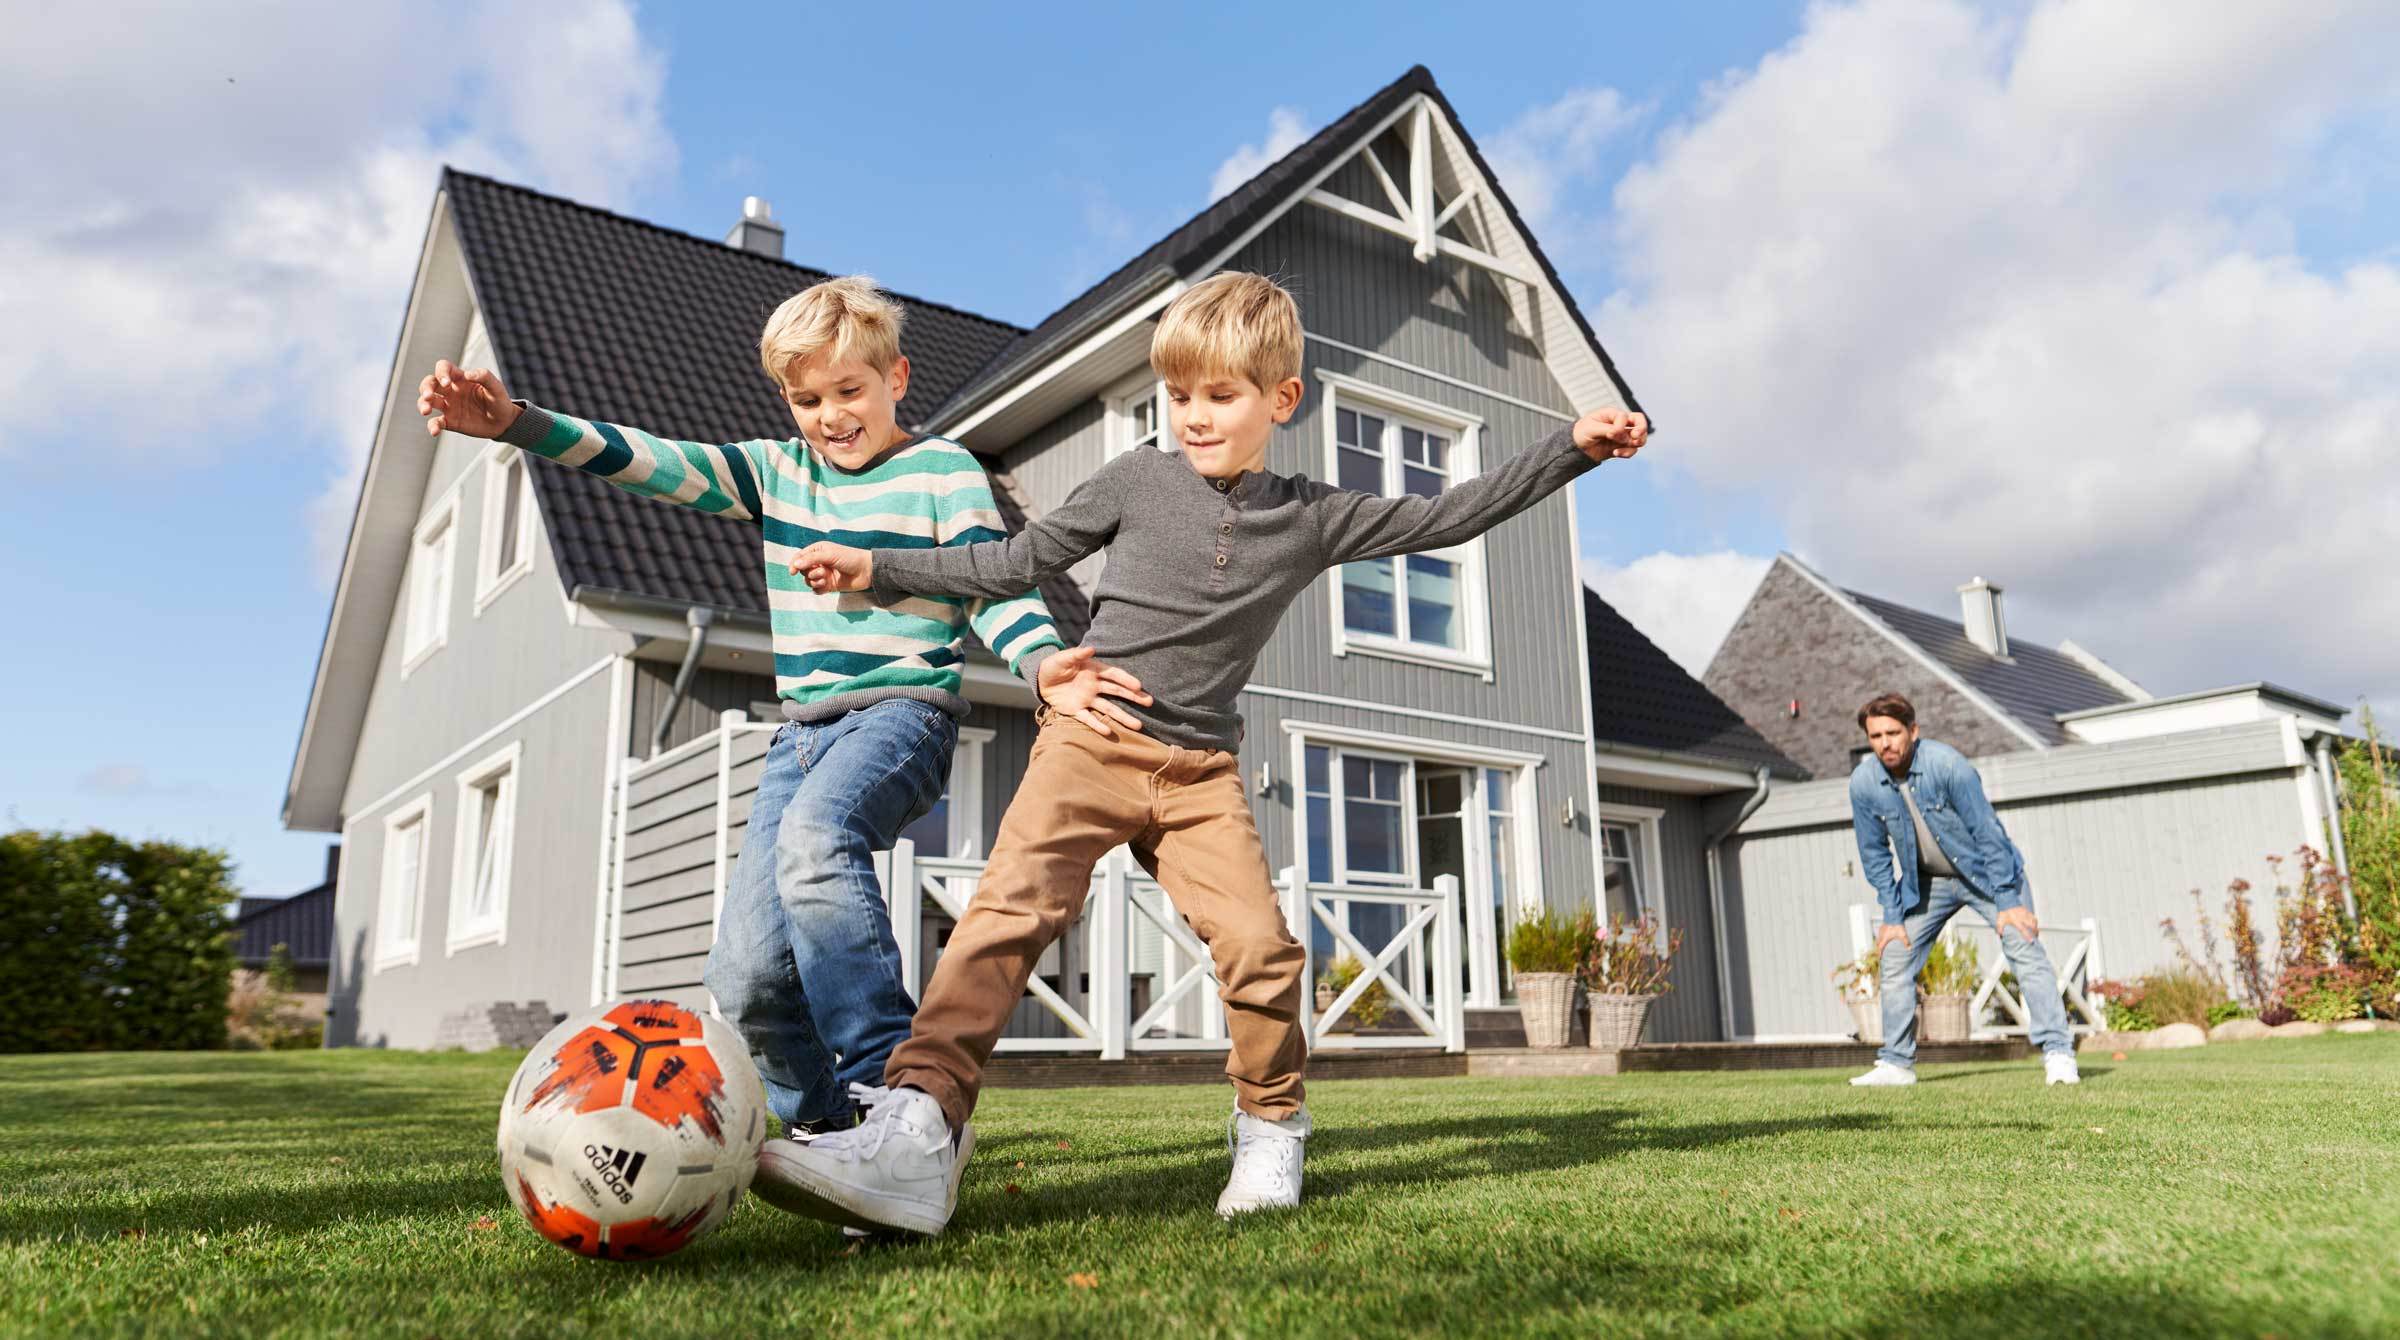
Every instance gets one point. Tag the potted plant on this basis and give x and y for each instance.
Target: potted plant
(1948, 980)
(1544, 951)
(1366, 1011)
(1624, 969)
(1861, 984)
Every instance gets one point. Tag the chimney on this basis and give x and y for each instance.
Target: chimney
(1979, 604)
(758, 230)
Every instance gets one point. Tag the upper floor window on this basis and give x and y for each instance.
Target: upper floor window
(1136, 417)
(508, 521)
(1426, 607)
(430, 561)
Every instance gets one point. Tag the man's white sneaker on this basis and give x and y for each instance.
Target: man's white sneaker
(1266, 1163)
(1885, 1075)
(897, 1169)
(2059, 1068)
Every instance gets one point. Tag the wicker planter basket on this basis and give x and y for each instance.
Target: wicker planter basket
(1867, 1016)
(1943, 1018)
(1617, 1020)
(1547, 1001)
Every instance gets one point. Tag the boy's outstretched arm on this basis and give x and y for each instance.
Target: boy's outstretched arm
(994, 569)
(714, 478)
(1359, 526)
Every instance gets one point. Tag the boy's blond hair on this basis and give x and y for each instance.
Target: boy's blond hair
(1233, 322)
(848, 315)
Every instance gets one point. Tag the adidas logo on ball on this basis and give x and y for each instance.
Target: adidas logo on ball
(619, 1168)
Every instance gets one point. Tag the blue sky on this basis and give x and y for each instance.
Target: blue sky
(1851, 255)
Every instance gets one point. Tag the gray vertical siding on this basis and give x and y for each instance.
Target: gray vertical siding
(1688, 1013)
(1054, 458)
(2124, 851)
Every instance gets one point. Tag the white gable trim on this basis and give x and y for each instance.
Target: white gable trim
(374, 562)
(1916, 653)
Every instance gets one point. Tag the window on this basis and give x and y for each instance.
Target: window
(1629, 863)
(1422, 607)
(1136, 417)
(487, 828)
(1500, 853)
(508, 523)
(1357, 817)
(429, 563)
(403, 892)
(954, 826)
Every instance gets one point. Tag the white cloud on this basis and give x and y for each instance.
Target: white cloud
(2025, 296)
(1285, 132)
(1554, 143)
(132, 780)
(225, 225)
(1685, 603)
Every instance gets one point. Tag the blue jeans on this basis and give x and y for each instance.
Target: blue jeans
(2035, 979)
(805, 965)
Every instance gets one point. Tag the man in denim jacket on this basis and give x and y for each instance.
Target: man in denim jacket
(1931, 845)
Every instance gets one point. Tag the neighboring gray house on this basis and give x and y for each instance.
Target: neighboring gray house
(2122, 802)
(533, 807)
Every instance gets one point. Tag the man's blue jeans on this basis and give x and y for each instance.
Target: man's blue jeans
(2035, 978)
(805, 965)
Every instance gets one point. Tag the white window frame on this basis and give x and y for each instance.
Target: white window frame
(1338, 805)
(966, 792)
(501, 769)
(1396, 409)
(1645, 821)
(490, 578)
(1120, 402)
(390, 950)
(432, 557)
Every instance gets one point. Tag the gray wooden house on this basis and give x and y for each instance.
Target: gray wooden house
(540, 703)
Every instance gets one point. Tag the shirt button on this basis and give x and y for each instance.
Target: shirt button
(1226, 529)
(1220, 560)
(1221, 485)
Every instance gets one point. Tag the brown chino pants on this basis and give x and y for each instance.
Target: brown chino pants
(1184, 814)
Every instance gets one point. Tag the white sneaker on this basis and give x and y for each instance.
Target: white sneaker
(1266, 1163)
(898, 1169)
(1885, 1075)
(2059, 1068)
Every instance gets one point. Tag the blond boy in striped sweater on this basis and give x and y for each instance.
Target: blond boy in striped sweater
(805, 963)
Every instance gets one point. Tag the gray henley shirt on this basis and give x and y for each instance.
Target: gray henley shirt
(1200, 570)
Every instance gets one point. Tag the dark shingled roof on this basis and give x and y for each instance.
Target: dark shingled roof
(606, 317)
(1640, 697)
(1180, 253)
(304, 922)
(2033, 684)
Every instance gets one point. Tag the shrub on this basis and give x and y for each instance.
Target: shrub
(1861, 978)
(2123, 1006)
(1624, 958)
(261, 1013)
(1952, 968)
(1372, 1004)
(125, 945)
(2370, 819)
(1550, 941)
(2326, 993)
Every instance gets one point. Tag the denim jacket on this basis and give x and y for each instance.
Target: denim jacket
(1950, 794)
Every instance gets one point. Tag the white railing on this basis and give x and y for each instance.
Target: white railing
(2075, 973)
(1129, 949)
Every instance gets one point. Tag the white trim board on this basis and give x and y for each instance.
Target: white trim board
(1443, 377)
(1421, 713)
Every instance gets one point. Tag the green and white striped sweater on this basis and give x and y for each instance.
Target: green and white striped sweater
(836, 652)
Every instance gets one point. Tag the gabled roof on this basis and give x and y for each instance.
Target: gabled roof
(606, 317)
(1641, 697)
(2032, 684)
(1208, 234)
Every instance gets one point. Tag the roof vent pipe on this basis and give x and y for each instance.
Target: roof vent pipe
(699, 617)
(1979, 606)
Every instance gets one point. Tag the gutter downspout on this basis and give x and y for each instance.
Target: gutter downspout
(699, 617)
(1716, 901)
(2333, 822)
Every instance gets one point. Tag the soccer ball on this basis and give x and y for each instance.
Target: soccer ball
(632, 1129)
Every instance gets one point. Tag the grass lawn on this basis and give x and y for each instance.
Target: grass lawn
(2244, 1189)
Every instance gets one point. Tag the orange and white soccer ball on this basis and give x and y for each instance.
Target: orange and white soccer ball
(631, 1130)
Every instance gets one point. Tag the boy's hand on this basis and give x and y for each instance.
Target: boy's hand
(473, 403)
(1075, 685)
(834, 567)
(1606, 433)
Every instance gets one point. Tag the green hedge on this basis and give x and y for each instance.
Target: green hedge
(109, 945)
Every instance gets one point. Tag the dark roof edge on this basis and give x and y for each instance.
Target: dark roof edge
(2263, 688)
(1784, 768)
(636, 602)
(697, 240)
